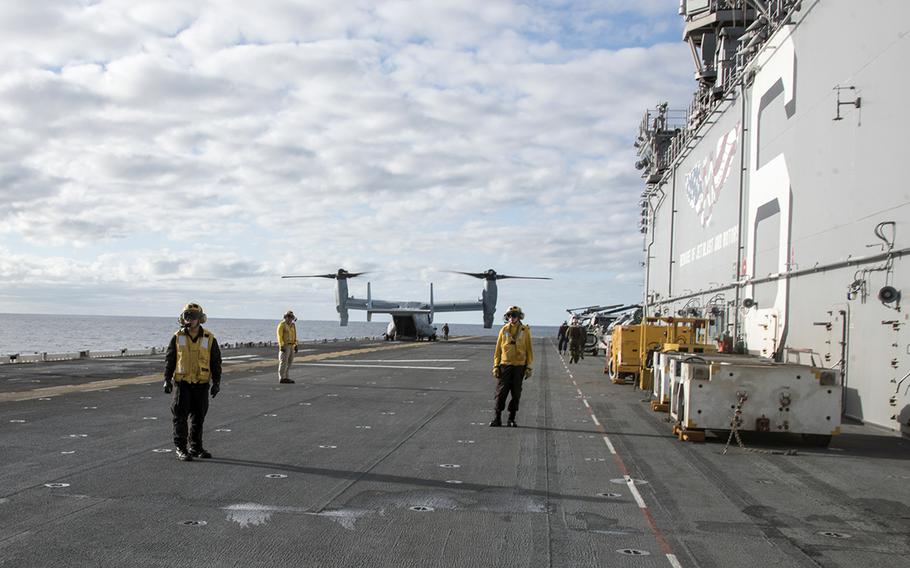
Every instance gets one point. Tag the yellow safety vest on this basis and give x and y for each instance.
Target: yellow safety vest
(514, 350)
(194, 357)
(287, 334)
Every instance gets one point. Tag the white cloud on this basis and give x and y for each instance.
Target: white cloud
(215, 145)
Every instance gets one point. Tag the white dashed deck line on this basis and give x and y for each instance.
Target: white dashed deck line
(631, 484)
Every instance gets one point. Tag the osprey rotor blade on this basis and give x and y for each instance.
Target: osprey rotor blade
(342, 274)
(491, 274)
(310, 276)
(503, 276)
(474, 274)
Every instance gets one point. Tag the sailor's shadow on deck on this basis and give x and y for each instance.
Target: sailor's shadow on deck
(402, 479)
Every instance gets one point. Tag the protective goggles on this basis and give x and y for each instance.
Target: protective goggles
(192, 315)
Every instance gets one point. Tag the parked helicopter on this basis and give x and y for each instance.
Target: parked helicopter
(598, 321)
(414, 320)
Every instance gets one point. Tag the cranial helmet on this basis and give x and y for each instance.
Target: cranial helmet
(290, 313)
(513, 310)
(191, 309)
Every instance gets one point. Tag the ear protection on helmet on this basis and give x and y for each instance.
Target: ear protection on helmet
(513, 310)
(192, 311)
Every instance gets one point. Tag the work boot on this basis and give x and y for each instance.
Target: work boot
(286, 381)
(200, 453)
(497, 420)
(511, 422)
(184, 455)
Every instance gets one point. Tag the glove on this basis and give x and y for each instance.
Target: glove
(168, 386)
(295, 348)
(216, 387)
(496, 372)
(527, 373)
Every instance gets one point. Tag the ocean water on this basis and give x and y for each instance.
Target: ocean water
(38, 333)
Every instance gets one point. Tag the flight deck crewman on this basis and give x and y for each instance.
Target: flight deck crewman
(562, 338)
(287, 346)
(512, 362)
(193, 361)
(578, 336)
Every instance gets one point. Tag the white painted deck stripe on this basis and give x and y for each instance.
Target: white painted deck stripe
(674, 562)
(635, 493)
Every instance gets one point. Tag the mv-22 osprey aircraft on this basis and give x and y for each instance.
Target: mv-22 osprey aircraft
(414, 320)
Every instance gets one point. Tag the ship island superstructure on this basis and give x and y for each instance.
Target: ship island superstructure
(777, 203)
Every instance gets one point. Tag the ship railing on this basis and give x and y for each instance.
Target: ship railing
(661, 119)
(657, 130)
(705, 102)
(768, 8)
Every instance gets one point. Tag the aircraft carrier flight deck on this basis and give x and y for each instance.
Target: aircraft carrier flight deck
(381, 455)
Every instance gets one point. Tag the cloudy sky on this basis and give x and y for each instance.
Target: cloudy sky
(159, 152)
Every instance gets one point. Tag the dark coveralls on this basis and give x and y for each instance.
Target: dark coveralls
(511, 378)
(191, 400)
(577, 338)
(562, 338)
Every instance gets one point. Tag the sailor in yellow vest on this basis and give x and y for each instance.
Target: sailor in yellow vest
(193, 361)
(512, 362)
(287, 346)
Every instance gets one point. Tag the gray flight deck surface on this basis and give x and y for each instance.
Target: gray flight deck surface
(386, 459)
